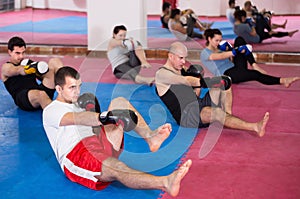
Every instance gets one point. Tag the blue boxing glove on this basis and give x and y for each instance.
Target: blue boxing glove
(246, 49)
(225, 46)
(250, 21)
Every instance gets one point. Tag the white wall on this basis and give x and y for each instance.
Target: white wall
(201, 7)
(153, 7)
(278, 6)
(74, 5)
(218, 7)
(103, 15)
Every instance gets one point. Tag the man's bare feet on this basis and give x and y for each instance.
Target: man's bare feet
(292, 33)
(261, 126)
(174, 179)
(287, 81)
(159, 136)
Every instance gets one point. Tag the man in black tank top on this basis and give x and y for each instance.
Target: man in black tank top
(164, 18)
(181, 96)
(21, 81)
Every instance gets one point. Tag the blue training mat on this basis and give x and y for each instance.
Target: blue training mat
(61, 25)
(29, 169)
(155, 29)
(78, 25)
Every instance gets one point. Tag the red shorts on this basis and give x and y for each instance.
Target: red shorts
(84, 162)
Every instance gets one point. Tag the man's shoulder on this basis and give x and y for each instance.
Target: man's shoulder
(4, 70)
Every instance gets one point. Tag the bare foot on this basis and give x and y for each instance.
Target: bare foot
(292, 33)
(159, 136)
(287, 81)
(284, 24)
(261, 126)
(210, 24)
(173, 184)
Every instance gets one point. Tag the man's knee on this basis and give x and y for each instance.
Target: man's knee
(205, 114)
(55, 64)
(119, 103)
(38, 98)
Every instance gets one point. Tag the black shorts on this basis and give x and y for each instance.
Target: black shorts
(22, 100)
(126, 71)
(190, 117)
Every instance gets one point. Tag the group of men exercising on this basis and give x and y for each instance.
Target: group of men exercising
(88, 141)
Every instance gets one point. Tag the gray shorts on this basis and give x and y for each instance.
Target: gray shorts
(190, 117)
(126, 71)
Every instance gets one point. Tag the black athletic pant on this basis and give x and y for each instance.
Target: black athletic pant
(262, 24)
(190, 28)
(241, 73)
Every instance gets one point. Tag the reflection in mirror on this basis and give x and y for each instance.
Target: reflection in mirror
(43, 25)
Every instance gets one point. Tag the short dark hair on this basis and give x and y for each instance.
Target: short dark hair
(15, 41)
(63, 72)
(238, 14)
(165, 6)
(231, 2)
(118, 28)
(175, 12)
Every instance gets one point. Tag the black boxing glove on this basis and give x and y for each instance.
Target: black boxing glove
(89, 102)
(194, 70)
(223, 82)
(124, 117)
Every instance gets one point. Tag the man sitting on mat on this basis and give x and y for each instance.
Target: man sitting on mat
(88, 142)
(181, 95)
(184, 32)
(20, 77)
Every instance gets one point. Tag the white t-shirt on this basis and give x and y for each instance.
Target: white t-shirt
(230, 15)
(63, 138)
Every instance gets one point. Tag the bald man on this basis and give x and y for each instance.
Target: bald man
(181, 95)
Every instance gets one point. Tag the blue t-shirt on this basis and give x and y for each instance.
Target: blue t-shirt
(216, 67)
(244, 30)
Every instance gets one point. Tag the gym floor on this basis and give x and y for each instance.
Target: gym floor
(238, 164)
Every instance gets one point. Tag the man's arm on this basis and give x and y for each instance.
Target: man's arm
(9, 70)
(85, 118)
(166, 77)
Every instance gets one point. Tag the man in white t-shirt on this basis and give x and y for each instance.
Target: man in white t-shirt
(230, 11)
(87, 143)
